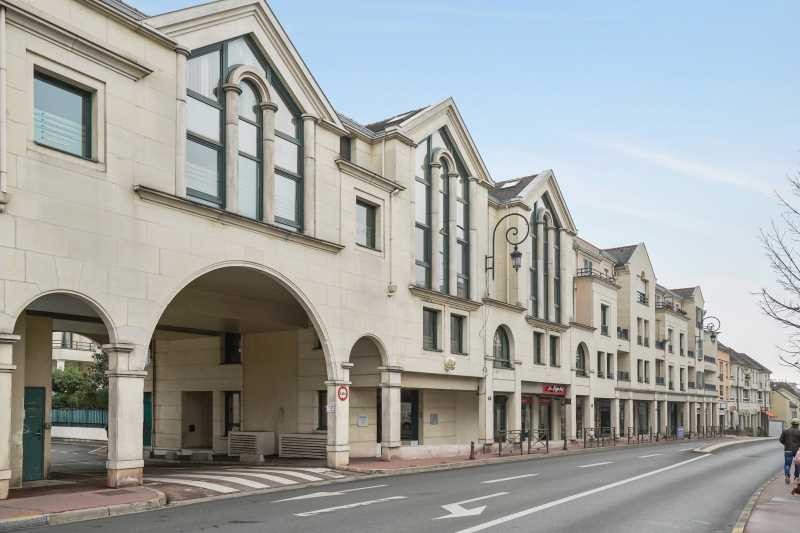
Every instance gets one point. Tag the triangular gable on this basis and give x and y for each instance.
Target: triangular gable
(545, 183)
(445, 113)
(214, 22)
(641, 248)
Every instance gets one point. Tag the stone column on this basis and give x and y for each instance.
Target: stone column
(452, 228)
(268, 110)
(391, 380)
(571, 415)
(338, 448)
(664, 417)
(486, 409)
(615, 416)
(687, 417)
(715, 415)
(540, 259)
(476, 252)
(629, 421)
(436, 224)
(125, 414)
(567, 311)
(588, 414)
(181, 54)
(6, 375)
(309, 174)
(515, 409)
(555, 419)
(535, 417)
(550, 256)
(232, 92)
(653, 416)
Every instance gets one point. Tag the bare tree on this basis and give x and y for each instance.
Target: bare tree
(780, 242)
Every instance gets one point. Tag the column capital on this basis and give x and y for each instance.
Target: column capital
(309, 117)
(9, 338)
(182, 50)
(118, 347)
(268, 106)
(390, 368)
(232, 87)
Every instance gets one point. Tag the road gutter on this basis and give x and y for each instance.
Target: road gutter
(744, 516)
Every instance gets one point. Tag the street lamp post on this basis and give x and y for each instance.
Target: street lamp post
(511, 238)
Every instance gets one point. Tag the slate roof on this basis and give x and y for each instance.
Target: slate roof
(621, 254)
(742, 358)
(686, 292)
(511, 190)
(128, 9)
(789, 387)
(383, 125)
(347, 121)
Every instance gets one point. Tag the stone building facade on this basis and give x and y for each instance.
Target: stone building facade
(268, 275)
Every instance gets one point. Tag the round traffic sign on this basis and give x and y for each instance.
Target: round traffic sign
(342, 392)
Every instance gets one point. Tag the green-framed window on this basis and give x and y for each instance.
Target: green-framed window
(62, 116)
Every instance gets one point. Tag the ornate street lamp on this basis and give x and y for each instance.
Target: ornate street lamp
(511, 238)
(711, 324)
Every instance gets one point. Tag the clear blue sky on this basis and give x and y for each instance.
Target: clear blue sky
(668, 123)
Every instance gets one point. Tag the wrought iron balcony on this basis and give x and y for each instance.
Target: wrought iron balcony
(692, 385)
(623, 376)
(642, 298)
(604, 330)
(709, 359)
(710, 387)
(671, 385)
(581, 372)
(659, 380)
(591, 273)
(661, 344)
(622, 333)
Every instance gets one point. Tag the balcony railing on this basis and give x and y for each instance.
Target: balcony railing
(683, 387)
(502, 363)
(692, 385)
(709, 359)
(604, 329)
(647, 379)
(622, 333)
(591, 273)
(661, 344)
(73, 344)
(623, 376)
(581, 372)
(670, 307)
(671, 385)
(659, 380)
(710, 387)
(642, 298)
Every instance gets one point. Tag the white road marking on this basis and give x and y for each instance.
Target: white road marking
(548, 505)
(327, 493)
(648, 456)
(327, 471)
(508, 478)
(268, 477)
(596, 464)
(687, 449)
(216, 487)
(349, 506)
(457, 511)
(300, 475)
(229, 479)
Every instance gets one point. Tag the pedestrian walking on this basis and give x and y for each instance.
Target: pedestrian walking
(790, 438)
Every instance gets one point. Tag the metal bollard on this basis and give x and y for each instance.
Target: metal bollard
(472, 449)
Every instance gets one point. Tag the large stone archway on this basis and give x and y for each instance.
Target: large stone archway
(238, 351)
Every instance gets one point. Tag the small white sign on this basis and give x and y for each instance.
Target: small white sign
(363, 421)
(330, 408)
(434, 419)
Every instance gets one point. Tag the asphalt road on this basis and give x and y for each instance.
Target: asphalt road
(652, 488)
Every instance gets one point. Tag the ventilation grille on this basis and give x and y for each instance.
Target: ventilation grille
(239, 443)
(302, 445)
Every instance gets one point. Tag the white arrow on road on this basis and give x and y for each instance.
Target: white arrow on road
(457, 511)
(327, 493)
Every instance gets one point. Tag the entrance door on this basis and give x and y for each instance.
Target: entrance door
(33, 435)
(409, 415)
(147, 430)
(527, 416)
(500, 426)
(196, 421)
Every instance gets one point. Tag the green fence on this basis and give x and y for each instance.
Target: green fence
(95, 418)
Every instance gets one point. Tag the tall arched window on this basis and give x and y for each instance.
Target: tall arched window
(534, 264)
(546, 269)
(250, 181)
(206, 71)
(580, 360)
(444, 233)
(557, 275)
(502, 352)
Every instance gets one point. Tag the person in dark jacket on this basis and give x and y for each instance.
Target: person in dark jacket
(790, 438)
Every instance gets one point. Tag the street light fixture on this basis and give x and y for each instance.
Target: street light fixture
(511, 238)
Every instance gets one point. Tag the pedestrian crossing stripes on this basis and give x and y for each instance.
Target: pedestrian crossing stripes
(240, 478)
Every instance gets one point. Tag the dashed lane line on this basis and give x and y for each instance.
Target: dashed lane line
(596, 464)
(508, 478)
(648, 456)
(349, 506)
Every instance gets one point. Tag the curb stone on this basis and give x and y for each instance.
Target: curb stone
(718, 445)
(744, 516)
(78, 515)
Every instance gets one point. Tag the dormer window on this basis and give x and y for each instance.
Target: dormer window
(266, 186)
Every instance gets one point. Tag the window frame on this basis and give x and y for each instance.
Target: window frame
(227, 339)
(259, 158)
(504, 361)
(322, 410)
(427, 261)
(434, 345)
(228, 423)
(555, 360)
(371, 207)
(87, 115)
(460, 347)
(538, 338)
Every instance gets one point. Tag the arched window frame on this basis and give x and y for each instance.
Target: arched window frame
(581, 360)
(258, 157)
(444, 230)
(501, 348)
(219, 145)
(546, 267)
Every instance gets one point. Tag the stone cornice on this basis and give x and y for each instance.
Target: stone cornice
(34, 21)
(584, 327)
(546, 324)
(503, 305)
(435, 297)
(365, 175)
(232, 219)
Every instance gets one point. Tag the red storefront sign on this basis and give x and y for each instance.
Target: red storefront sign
(554, 389)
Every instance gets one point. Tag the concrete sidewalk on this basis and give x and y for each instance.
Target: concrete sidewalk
(60, 504)
(772, 509)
